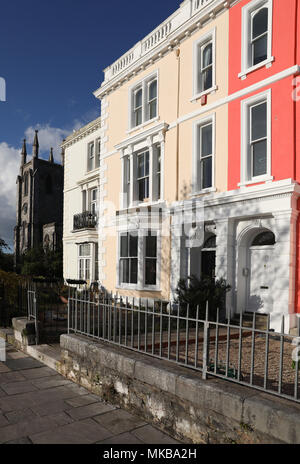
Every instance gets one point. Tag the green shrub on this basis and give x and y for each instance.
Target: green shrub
(195, 293)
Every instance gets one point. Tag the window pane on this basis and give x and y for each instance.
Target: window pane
(260, 50)
(80, 269)
(138, 117)
(207, 55)
(133, 245)
(138, 98)
(142, 192)
(206, 140)
(153, 90)
(207, 173)
(147, 163)
(150, 272)
(133, 271)
(151, 246)
(124, 246)
(85, 249)
(141, 166)
(260, 22)
(259, 158)
(153, 109)
(124, 271)
(207, 79)
(259, 121)
(87, 269)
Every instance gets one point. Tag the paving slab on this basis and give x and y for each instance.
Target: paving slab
(123, 439)
(4, 368)
(119, 421)
(91, 410)
(14, 388)
(3, 420)
(55, 381)
(37, 405)
(80, 432)
(38, 372)
(49, 407)
(83, 400)
(20, 441)
(16, 402)
(20, 416)
(11, 376)
(150, 435)
(26, 428)
(24, 363)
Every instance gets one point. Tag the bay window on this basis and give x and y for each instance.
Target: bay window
(142, 174)
(84, 262)
(138, 259)
(88, 262)
(129, 258)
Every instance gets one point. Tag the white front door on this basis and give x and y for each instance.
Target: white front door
(260, 279)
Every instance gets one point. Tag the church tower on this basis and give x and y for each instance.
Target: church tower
(39, 202)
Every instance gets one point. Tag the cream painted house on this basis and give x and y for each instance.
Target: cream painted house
(151, 101)
(146, 184)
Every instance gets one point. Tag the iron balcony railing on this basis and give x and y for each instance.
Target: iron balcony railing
(248, 355)
(86, 220)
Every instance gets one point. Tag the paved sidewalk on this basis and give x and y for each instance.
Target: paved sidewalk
(39, 406)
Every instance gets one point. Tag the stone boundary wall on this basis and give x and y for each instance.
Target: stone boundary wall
(176, 399)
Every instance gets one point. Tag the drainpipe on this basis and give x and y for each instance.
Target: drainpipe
(295, 100)
(177, 125)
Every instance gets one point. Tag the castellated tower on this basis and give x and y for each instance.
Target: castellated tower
(39, 202)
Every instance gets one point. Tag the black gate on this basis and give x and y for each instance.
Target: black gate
(52, 310)
(13, 302)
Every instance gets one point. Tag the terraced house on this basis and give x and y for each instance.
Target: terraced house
(193, 165)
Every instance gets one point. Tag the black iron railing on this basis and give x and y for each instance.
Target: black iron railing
(86, 220)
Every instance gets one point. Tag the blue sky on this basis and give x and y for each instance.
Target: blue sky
(52, 54)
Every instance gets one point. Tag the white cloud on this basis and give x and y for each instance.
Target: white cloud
(10, 162)
(48, 137)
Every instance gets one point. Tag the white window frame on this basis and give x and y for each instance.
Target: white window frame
(130, 194)
(91, 201)
(91, 257)
(211, 119)
(247, 14)
(246, 177)
(89, 163)
(144, 84)
(198, 44)
(141, 277)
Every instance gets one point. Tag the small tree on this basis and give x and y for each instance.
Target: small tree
(194, 293)
(40, 262)
(6, 259)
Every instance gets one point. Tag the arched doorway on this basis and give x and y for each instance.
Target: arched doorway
(256, 271)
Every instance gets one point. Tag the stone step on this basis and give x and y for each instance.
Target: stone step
(261, 320)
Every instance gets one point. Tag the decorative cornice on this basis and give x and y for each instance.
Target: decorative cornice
(188, 19)
(82, 132)
(161, 127)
